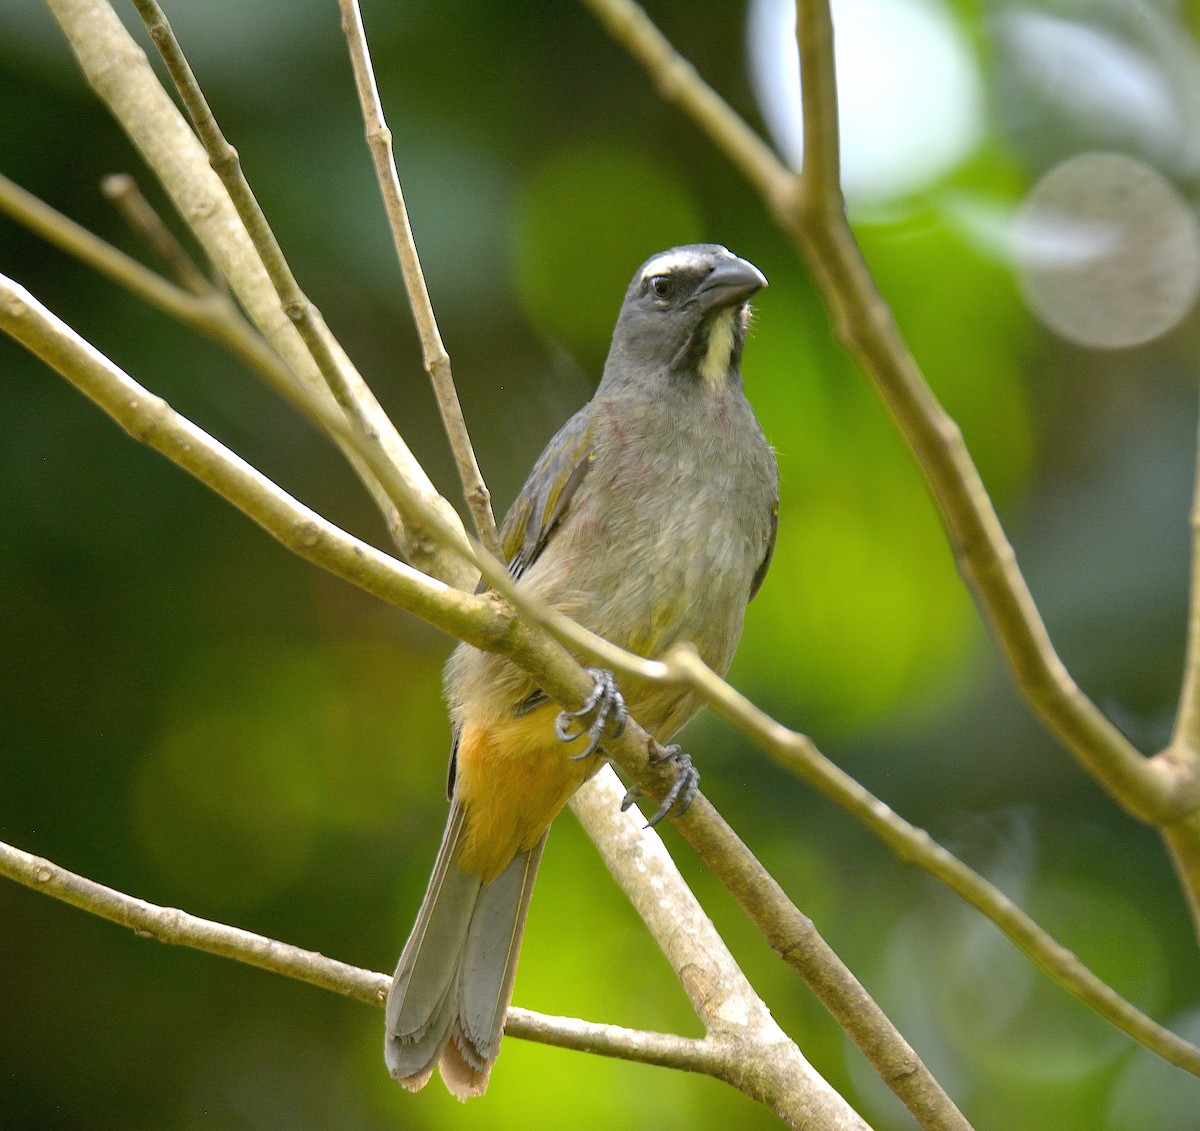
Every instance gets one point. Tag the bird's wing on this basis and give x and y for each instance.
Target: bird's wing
(546, 498)
(543, 503)
(761, 573)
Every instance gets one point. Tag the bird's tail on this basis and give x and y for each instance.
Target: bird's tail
(454, 980)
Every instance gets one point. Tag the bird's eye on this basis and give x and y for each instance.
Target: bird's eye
(662, 286)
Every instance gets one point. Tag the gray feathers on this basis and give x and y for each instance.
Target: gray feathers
(650, 518)
(453, 983)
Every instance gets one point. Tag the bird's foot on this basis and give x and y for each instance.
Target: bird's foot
(683, 788)
(605, 707)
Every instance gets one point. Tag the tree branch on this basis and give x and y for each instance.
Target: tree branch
(335, 368)
(151, 421)
(774, 1071)
(1183, 837)
(433, 352)
(822, 178)
(174, 927)
(914, 846)
(123, 193)
(209, 312)
(119, 72)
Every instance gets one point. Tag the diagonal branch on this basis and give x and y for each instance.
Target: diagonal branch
(119, 72)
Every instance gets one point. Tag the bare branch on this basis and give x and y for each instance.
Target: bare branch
(1187, 723)
(179, 928)
(437, 360)
(127, 198)
(210, 313)
(821, 179)
(333, 365)
(769, 1067)
(1183, 754)
(119, 72)
(679, 84)
(798, 753)
(151, 421)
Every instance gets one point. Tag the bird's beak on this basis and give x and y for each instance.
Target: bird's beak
(732, 281)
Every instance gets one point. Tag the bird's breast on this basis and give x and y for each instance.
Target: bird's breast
(670, 531)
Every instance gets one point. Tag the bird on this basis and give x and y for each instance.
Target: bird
(650, 518)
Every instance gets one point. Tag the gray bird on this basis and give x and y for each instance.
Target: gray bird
(650, 518)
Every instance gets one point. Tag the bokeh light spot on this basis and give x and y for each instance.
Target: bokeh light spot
(1108, 252)
(909, 95)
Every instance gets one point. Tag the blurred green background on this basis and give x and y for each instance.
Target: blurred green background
(190, 714)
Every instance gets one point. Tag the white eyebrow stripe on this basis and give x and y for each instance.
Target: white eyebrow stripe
(670, 262)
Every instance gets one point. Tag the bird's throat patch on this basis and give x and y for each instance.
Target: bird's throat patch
(714, 365)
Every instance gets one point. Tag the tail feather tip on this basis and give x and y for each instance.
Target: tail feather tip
(464, 1072)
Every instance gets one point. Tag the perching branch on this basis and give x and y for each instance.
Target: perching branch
(911, 845)
(1161, 790)
(771, 1068)
(433, 351)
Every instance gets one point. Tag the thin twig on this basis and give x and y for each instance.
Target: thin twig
(436, 359)
(119, 72)
(211, 313)
(1186, 739)
(179, 928)
(302, 313)
(122, 190)
(821, 171)
(1183, 837)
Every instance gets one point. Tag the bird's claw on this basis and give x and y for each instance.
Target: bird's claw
(606, 707)
(683, 789)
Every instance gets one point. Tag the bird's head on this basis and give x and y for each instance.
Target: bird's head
(684, 316)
